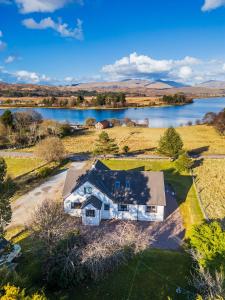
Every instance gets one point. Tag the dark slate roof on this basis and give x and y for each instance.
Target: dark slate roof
(146, 188)
(93, 201)
(73, 177)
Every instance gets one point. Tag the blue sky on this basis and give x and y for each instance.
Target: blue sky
(68, 41)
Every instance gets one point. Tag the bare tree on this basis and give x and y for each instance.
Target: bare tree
(106, 252)
(50, 149)
(50, 224)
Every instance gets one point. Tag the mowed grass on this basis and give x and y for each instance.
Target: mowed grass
(145, 140)
(210, 178)
(20, 166)
(182, 184)
(154, 274)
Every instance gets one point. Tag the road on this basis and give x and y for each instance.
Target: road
(24, 206)
(78, 157)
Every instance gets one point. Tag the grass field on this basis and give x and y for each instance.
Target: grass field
(211, 184)
(182, 184)
(145, 140)
(20, 166)
(148, 276)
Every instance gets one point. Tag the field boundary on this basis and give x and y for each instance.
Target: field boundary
(199, 197)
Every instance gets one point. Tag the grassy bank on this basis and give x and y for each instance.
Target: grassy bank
(182, 184)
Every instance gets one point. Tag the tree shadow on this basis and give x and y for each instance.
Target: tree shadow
(138, 152)
(179, 184)
(198, 151)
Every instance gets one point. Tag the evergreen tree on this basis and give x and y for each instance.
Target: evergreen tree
(184, 162)
(105, 145)
(170, 143)
(5, 207)
(7, 118)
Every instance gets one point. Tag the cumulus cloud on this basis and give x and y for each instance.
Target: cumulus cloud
(189, 69)
(144, 66)
(10, 59)
(30, 77)
(30, 6)
(212, 4)
(62, 28)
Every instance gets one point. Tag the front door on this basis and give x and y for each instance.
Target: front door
(91, 216)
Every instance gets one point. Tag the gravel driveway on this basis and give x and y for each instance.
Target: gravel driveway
(24, 206)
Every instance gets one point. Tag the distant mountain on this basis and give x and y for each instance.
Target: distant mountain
(213, 84)
(131, 84)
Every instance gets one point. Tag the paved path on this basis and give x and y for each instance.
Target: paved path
(24, 206)
(16, 154)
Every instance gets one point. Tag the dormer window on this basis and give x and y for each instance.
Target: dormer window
(117, 185)
(127, 184)
(88, 190)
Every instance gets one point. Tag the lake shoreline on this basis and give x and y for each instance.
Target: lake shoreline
(157, 116)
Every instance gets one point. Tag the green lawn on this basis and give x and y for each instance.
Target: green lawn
(154, 274)
(20, 166)
(182, 184)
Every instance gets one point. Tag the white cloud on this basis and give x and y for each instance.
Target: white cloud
(212, 4)
(30, 6)
(185, 72)
(189, 69)
(144, 66)
(30, 77)
(62, 28)
(10, 59)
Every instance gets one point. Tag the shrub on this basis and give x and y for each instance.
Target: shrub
(208, 240)
(11, 292)
(90, 122)
(184, 162)
(126, 149)
(44, 172)
(50, 149)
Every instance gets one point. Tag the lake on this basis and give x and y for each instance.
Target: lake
(158, 116)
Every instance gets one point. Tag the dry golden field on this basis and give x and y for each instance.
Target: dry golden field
(145, 140)
(211, 185)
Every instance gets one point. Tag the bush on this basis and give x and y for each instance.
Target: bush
(126, 149)
(184, 162)
(11, 292)
(50, 149)
(90, 122)
(44, 172)
(208, 240)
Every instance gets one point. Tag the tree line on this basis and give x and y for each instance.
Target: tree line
(176, 99)
(26, 128)
(216, 120)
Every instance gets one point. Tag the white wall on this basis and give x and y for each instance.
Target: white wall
(91, 220)
(136, 212)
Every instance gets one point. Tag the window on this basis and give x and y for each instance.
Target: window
(127, 184)
(75, 205)
(122, 207)
(90, 213)
(151, 209)
(106, 206)
(88, 190)
(117, 185)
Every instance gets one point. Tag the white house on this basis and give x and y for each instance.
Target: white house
(99, 193)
